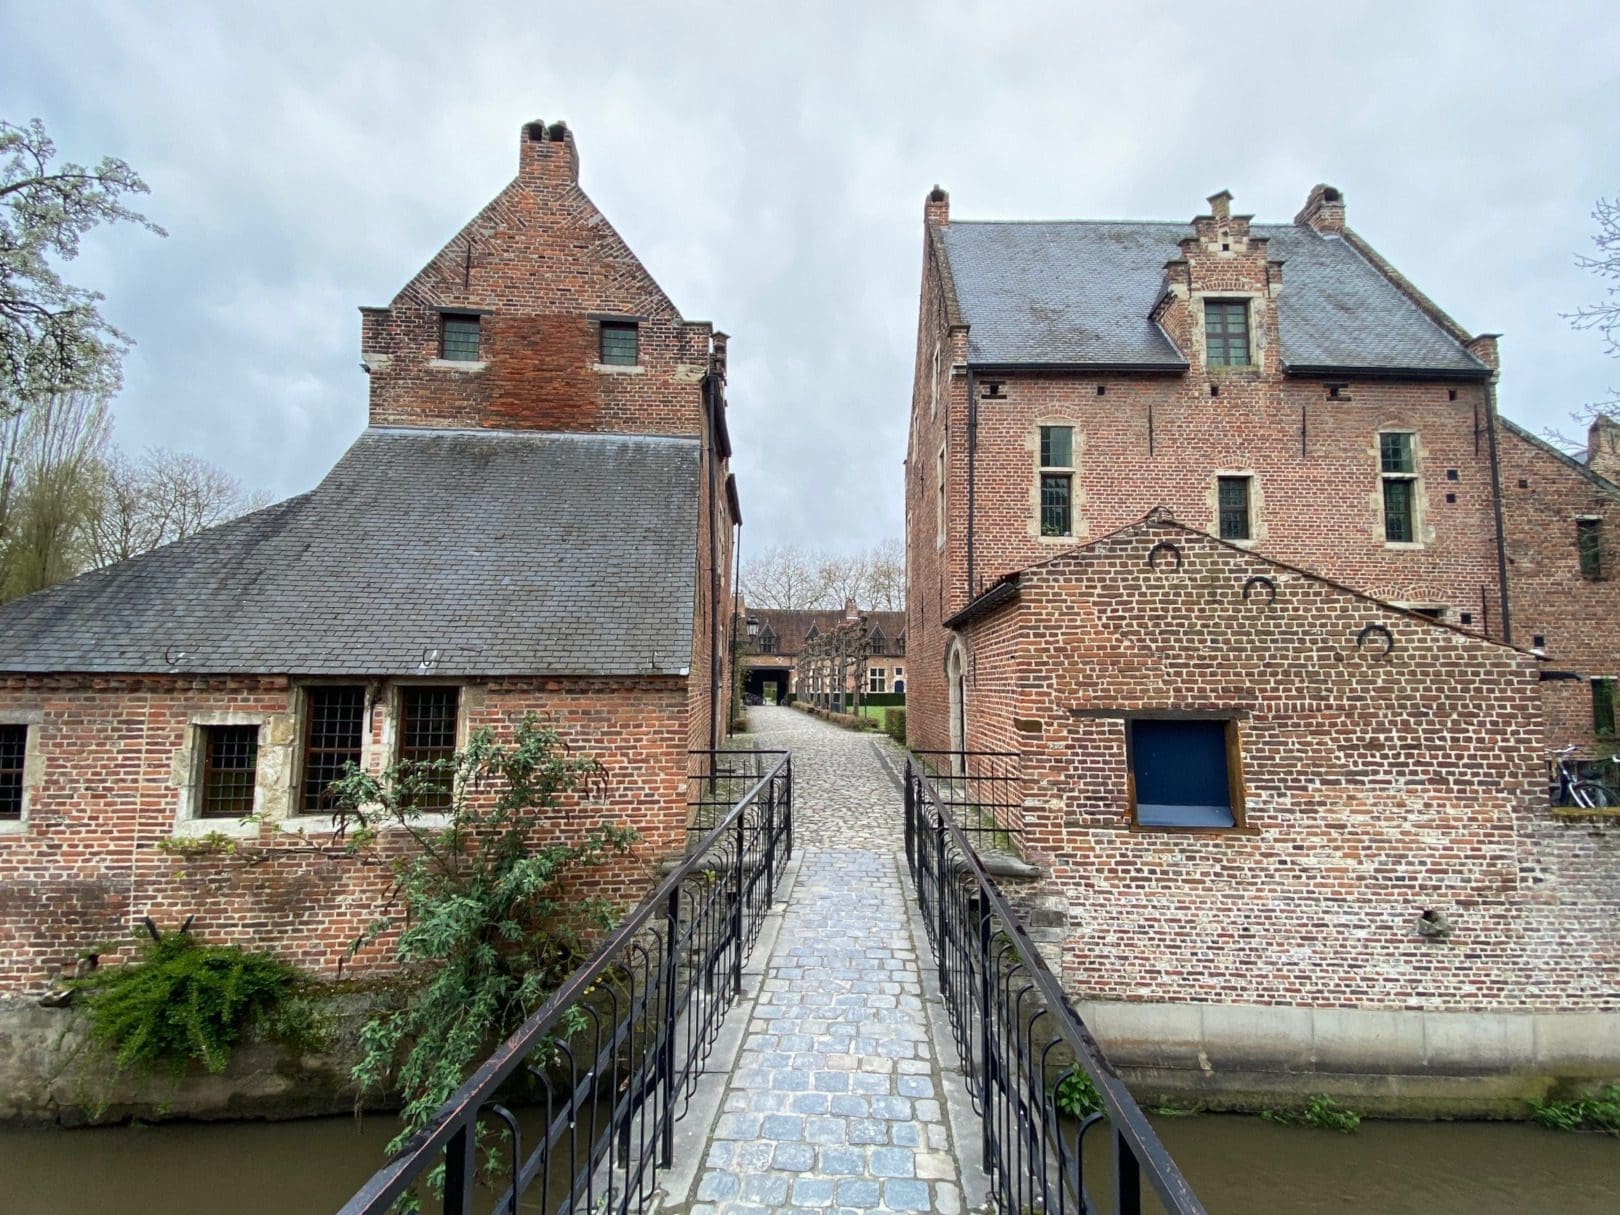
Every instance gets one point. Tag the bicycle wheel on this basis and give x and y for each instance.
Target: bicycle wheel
(1593, 795)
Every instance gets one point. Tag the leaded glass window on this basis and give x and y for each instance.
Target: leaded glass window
(1233, 494)
(1395, 452)
(13, 752)
(1398, 511)
(1589, 541)
(458, 337)
(620, 343)
(334, 724)
(1055, 515)
(1226, 333)
(230, 765)
(427, 736)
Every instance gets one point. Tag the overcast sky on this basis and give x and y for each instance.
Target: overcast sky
(768, 163)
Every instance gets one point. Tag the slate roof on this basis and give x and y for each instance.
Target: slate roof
(791, 627)
(1081, 293)
(509, 553)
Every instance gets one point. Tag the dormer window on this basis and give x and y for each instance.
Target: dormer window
(1226, 333)
(767, 641)
(458, 337)
(620, 344)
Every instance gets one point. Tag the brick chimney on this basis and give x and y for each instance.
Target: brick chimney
(546, 154)
(937, 207)
(1603, 447)
(1323, 210)
(851, 613)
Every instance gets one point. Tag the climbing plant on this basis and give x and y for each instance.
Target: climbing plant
(487, 923)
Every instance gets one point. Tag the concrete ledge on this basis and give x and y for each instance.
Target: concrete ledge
(1394, 1062)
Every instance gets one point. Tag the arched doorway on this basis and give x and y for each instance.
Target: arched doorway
(956, 680)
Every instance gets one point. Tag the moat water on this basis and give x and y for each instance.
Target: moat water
(1239, 1166)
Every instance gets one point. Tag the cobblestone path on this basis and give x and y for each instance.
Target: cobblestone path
(835, 1103)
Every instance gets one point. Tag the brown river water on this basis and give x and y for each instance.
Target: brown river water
(1237, 1165)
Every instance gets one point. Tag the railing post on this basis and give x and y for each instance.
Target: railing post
(911, 827)
(460, 1157)
(787, 804)
(770, 843)
(986, 990)
(737, 907)
(1127, 1178)
(672, 932)
(939, 899)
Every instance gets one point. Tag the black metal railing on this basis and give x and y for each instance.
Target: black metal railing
(1026, 1053)
(614, 1055)
(983, 791)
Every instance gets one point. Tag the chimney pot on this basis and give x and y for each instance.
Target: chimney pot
(1220, 205)
(937, 207)
(546, 153)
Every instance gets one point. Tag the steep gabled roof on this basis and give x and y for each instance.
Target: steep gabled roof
(422, 551)
(1080, 293)
(1590, 474)
(793, 628)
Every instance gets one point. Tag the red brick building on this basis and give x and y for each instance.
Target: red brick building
(1216, 526)
(539, 518)
(774, 640)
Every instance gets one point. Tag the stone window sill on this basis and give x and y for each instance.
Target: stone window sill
(231, 828)
(306, 823)
(456, 365)
(618, 369)
(1405, 546)
(14, 826)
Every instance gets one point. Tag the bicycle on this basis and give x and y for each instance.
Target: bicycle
(1573, 790)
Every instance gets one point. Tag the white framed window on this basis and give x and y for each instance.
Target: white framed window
(877, 679)
(1398, 476)
(221, 760)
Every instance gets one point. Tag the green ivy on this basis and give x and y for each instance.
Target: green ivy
(487, 925)
(183, 1002)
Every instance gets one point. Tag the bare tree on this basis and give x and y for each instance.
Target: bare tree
(781, 577)
(886, 578)
(163, 497)
(53, 338)
(47, 490)
(1603, 317)
(844, 578)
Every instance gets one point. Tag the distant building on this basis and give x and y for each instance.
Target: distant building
(538, 518)
(842, 653)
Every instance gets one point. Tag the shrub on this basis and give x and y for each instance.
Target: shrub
(1321, 1112)
(896, 725)
(1077, 1096)
(183, 1002)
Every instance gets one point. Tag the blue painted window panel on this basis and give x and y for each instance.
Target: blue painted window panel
(1180, 772)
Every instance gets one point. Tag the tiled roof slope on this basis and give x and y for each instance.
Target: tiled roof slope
(791, 626)
(1081, 292)
(508, 553)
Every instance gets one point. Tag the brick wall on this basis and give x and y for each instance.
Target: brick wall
(1376, 787)
(1578, 618)
(544, 267)
(109, 785)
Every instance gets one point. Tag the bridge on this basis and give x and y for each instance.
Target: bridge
(828, 1005)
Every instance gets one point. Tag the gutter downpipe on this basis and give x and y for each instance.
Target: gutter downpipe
(1496, 504)
(972, 453)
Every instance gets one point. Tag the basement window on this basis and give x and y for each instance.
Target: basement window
(620, 343)
(1184, 772)
(229, 775)
(334, 728)
(13, 753)
(1226, 333)
(458, 337)
(1589, 542)
(427, 737)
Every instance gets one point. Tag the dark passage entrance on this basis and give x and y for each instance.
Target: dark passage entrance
(760, 681)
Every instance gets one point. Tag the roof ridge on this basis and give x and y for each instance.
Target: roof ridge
(499, 432)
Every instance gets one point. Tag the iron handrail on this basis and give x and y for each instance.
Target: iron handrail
(452, 1129)
(1137, 1146)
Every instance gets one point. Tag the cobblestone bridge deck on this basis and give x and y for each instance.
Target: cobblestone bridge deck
(842, 1092)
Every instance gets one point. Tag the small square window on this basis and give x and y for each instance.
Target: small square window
(1184, 773)
(334, 726)
(1233, 495)
(427, 735)
(458, 337)
(13, 755)
(620, 343)
(1589, 541)
(1226, 333)
(230, 763)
